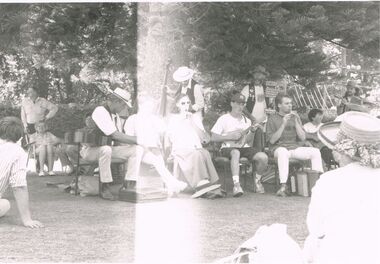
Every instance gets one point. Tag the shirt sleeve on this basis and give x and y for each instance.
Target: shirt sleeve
(52, 108)
(18, 171)
(218, 127)
(130, 125)
(245, 92)
(199, 99)
(270, 128)
(104, 121)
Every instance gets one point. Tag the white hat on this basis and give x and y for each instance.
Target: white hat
(123, 95)
(361, 127)
(183, 74)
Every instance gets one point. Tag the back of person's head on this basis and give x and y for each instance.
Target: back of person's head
(278, 99)
(11, 129)
(313, 113)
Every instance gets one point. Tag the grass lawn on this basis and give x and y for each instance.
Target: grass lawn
(89, 229)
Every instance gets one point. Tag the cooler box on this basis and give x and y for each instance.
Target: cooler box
(143, 195)
(306, 180)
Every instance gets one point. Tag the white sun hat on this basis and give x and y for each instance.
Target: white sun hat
(123, 95)
(183, 74)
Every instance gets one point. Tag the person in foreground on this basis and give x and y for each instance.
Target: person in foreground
(13, 170)
(344, 211)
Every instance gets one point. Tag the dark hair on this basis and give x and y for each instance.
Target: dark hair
(358, 91)
(313, 113)
(11, 128)
(278, 99)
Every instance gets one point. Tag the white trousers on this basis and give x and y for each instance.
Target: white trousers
(4, 206)
(131, 154)
(302, 153)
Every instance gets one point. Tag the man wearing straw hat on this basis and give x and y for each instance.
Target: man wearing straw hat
(107, 120)
(184, 75)
(344, 211)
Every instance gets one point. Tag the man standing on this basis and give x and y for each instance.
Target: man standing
(191, 88)
(256, 102)
(13, 170)
(107, 121)
(235, 131)
(286, 139)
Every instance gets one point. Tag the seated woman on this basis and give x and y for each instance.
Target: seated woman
(191, 161)
(311, 128)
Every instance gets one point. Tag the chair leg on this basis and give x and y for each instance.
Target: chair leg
(253, 176)
(77, 172)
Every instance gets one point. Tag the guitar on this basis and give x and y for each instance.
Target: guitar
(243, 140)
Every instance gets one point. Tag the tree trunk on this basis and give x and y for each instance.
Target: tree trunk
(156, 45)
(66, 77)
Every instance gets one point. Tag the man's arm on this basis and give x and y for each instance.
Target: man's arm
(52, 108)
(22, 199)
(23, 117)
(233, 136)
(123, 138)
(299, 129)
(199, 99)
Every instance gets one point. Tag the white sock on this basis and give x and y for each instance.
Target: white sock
(258, 177)
(235, 178)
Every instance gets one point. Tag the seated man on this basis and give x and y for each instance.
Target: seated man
(311, 128)
(107, 122)
(148, 128)
(236, 132)
(286, 139)
(13, 170)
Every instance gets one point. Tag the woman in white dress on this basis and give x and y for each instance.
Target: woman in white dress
(191, 161)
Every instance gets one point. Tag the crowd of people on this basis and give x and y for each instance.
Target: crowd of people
(245, 131)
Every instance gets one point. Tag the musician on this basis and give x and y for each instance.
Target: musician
(286, 139)
(235, 131)
(107, 120)
(256, 102)
(149, 129)
(191, 88)
(191, 161)
(13, 170)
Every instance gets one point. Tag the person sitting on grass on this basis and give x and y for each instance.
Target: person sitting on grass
(13, 170)
(343, 217)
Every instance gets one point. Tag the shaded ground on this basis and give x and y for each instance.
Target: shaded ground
(89, 229)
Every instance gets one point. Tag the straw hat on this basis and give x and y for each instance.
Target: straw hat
(123, 95)
(183, 74)
(356, 135)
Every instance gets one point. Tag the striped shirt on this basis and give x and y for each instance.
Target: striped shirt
(12, 166)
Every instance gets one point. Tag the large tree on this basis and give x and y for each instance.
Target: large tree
(54, 43)
(228, 39)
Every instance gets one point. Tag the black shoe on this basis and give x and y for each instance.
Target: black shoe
(106, 193)
(128, 185)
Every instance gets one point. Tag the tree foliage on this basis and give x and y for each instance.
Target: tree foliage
(227, 40)
(65, 49)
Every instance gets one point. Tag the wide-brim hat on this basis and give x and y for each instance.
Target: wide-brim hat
(183, 74)
(361, 127)
(205, 188)
(122, 94)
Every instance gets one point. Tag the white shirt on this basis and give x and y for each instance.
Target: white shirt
(107, 123)
(33, 112)
(227, 123)
(12, 166)
(258, 110)
(182, 134)
(147, 128)
(345, 209)
(309, 127)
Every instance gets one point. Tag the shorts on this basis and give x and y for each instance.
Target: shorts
(248, 152)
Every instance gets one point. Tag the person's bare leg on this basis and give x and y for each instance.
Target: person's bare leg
(50, 157)
(42, 158)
